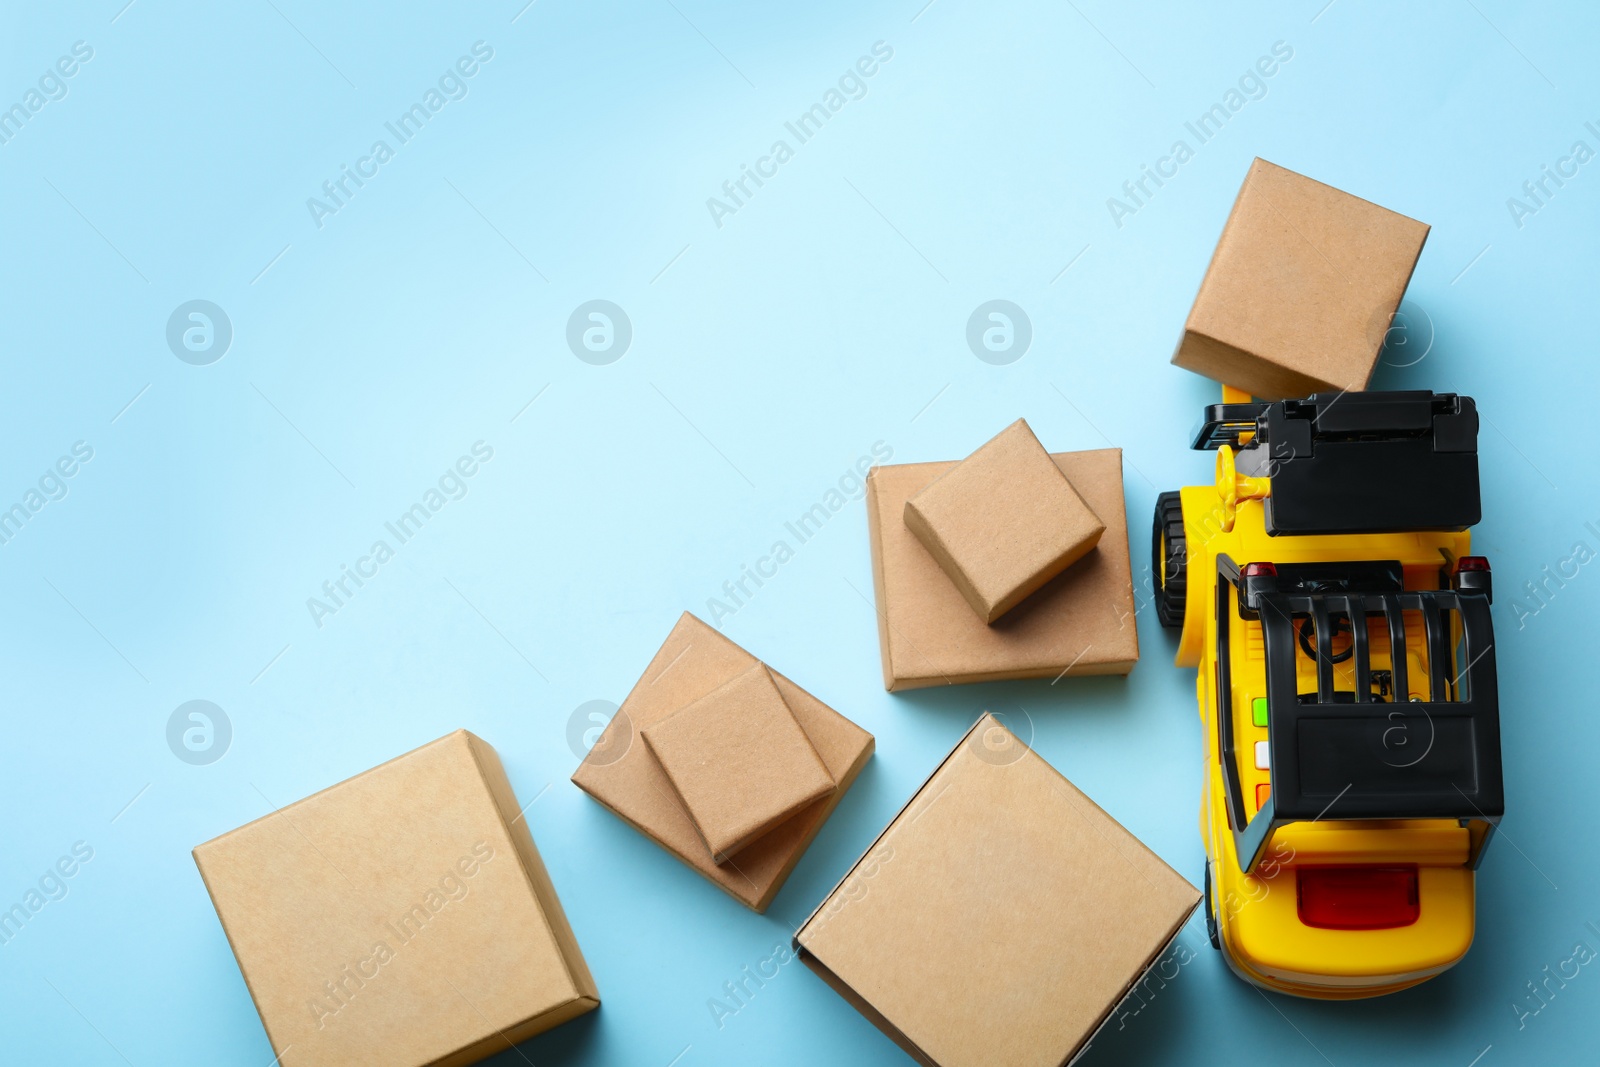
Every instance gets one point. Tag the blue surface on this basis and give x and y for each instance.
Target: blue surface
(825, 314)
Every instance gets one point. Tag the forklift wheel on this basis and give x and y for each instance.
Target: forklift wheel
(1169, 563)
(1211, 915)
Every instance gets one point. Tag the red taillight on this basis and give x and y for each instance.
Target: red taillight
(1358, 898)
(1473, 563)
(1260, 570)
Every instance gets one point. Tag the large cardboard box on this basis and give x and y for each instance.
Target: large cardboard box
(1003, 521)
(1081, 622)
(402, 917)
(1302, 288)
(1000, 918)
(621, 773)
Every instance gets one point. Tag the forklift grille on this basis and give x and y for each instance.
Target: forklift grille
(1353, 754)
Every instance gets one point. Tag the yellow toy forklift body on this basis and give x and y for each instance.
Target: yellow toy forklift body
(1338, 666)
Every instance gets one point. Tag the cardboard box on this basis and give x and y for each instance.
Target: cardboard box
(1081, 622)
(1301, 289)
(1003, 522)
(401, 917)
(1000, 918)
(622, 774)
(738, 761)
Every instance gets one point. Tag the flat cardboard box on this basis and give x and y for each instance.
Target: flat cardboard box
(621, 773)
(1000, 918)
(1003, 522)
(1301, 290)
(1081, 622)
(739, 762)
(402, 917)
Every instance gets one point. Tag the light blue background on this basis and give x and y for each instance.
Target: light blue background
(769, 354)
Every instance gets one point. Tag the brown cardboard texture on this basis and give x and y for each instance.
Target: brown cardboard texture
(738, 761)
(1301, 289)
(1080, 622)
(1003, 522)
(401, 917)
(1000, 917)
(622, 774)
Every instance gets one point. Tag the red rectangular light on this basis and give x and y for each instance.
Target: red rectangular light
(1358, 898)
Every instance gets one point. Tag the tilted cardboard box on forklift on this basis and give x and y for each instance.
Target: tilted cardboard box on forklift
(1301, 290)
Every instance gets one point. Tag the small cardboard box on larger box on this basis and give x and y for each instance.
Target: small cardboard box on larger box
(739, 761)
(1003, 521)
(1000, 918)
(621, 773)
(402, 917)
(1301, 290)
(1081, 622)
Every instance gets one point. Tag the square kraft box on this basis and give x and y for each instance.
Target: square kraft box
(401, 917)
(1081, 622)
(1000, 918)
(739, 761)
(1301, 289)
(621, 774)
(1003, 521)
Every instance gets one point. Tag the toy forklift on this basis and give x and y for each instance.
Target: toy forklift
(1326, 591)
